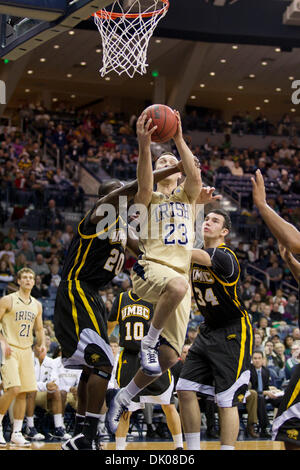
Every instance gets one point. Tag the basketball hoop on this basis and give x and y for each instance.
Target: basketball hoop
(126, 31)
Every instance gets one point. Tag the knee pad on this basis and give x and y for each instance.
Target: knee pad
(102, 374)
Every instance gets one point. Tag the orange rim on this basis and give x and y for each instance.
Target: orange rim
(107, 15)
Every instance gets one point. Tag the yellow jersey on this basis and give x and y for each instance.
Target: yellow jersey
(167, 237)
(17, 324)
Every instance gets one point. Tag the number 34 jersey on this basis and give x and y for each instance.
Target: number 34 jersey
(96, 254)
(167, 235)
(133, 315)
(216, 289)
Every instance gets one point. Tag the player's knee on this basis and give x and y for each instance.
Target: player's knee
(177, 288)
(14, 391)
(184, 396)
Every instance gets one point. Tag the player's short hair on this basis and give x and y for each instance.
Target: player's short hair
(25, 270)
(107, 187)
(166, 153)
(225, 215)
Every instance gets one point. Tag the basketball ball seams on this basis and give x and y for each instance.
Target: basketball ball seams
(165, 119)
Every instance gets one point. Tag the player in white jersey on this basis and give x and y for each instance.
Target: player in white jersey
(161, 275)
(20, 316)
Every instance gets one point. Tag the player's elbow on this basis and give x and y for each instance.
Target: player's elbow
(143, 196)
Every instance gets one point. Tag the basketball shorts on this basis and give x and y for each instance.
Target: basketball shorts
(218, 363)
(18, 370)
(158, 392)
(149, 281)
(80, 326)
(286, 425)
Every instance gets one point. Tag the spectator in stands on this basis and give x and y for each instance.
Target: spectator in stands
(258, 343)
(288, 342)
(26, 251)
(275, 276)
(41, 244)
(8, 251)
(284, 182)
(40, 289)
(273, 172)
(106, 128)
(291, 309)
(53, 218)
(77, 197)
(296, 334)
(274, 363)
(39, 266)
(295, 186)
(292, 361)
(53, 278)
(237, 170)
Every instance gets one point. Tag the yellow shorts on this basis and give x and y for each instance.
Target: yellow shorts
(149, 281)
(18, 370)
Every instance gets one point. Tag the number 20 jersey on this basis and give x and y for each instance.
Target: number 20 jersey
(216, 288)
(96, 257)
(167, 236)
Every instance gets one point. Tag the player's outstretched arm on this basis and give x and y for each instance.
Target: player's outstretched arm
(193, 181)
(291, 261)
(285, 232)
(144, 165)
(129, 190)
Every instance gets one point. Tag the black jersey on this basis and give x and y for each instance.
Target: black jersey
(133, 315)
(216, 289)
(96, 257)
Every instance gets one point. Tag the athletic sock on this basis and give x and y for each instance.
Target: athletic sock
(120, 443)
(1, 419)
(178, 441)
(90, 425)
(17, 426)
(79, 422)
(152, 336)
(224, 447)
(29, 421)
(58, 421)
(130, 391)
(192, 440)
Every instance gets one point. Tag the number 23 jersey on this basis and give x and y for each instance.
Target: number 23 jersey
(216, 288)
(96, 257)
(167, 236)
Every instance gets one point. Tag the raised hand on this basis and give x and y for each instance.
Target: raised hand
(258, 189)
(142, 129)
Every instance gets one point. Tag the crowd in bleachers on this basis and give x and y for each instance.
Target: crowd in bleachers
(241, 123)
(32, 177)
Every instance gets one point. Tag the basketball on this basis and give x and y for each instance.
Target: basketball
(165, 119)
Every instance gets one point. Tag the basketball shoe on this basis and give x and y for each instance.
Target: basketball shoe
(79, 442)
(2, 440)
(18, 440)
(31, 433)
(115, 409)
(149, 358)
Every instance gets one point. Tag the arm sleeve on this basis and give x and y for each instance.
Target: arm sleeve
(224, 264)
(114, 313)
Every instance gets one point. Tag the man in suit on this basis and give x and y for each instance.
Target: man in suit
(260, 380)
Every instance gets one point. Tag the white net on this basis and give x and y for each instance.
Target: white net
(126, 29)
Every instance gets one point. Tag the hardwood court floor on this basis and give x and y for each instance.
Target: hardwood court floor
(147, 445)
